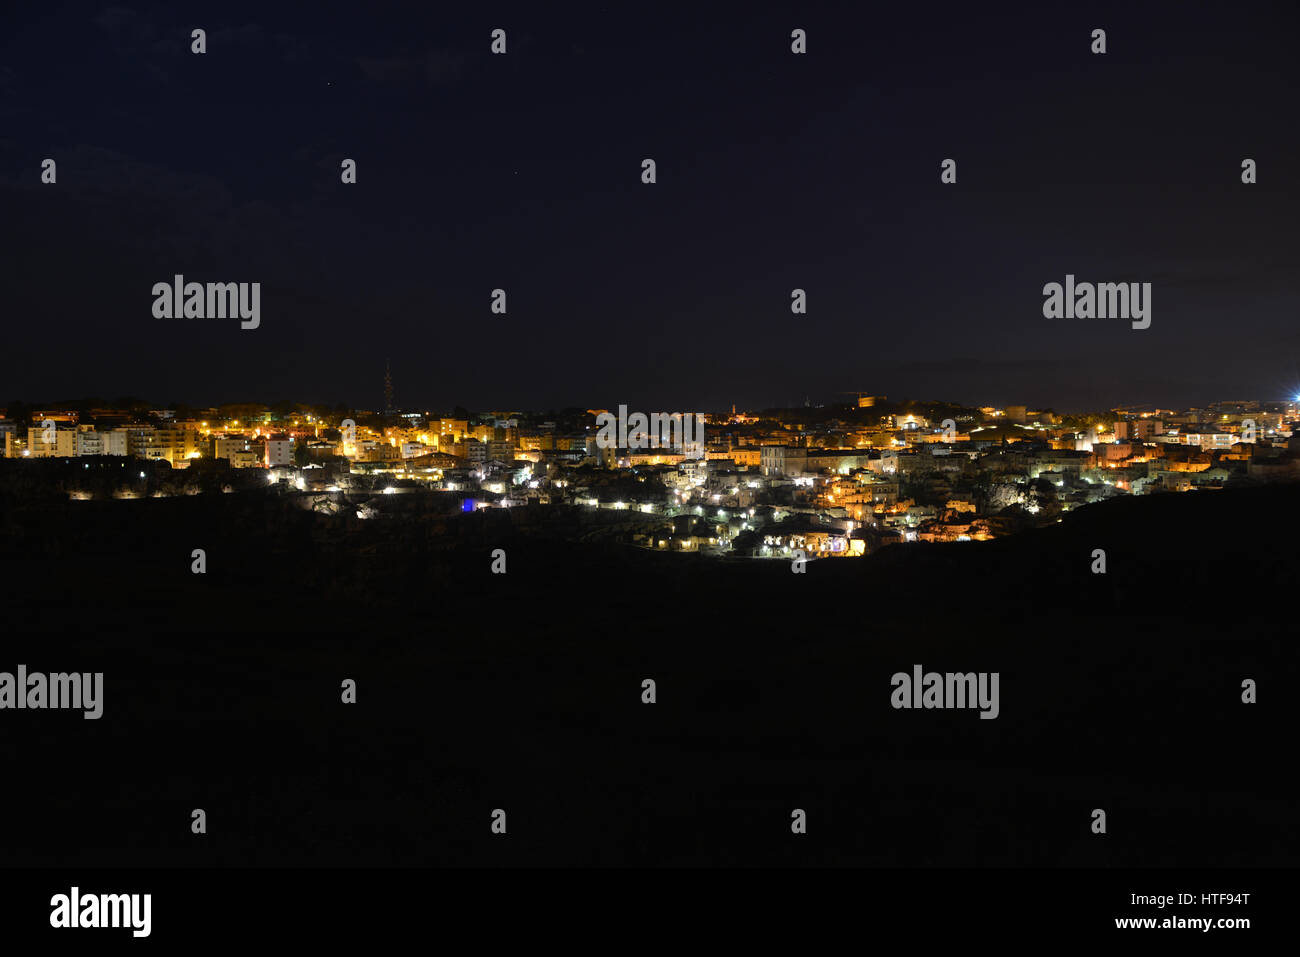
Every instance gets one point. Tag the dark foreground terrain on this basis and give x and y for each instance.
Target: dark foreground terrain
(523, 692)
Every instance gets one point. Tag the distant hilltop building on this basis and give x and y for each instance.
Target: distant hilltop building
(869, 401)
(740, 418)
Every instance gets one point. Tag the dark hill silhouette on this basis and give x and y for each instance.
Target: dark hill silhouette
(522, 691)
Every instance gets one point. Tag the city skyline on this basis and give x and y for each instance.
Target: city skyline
(839, 482)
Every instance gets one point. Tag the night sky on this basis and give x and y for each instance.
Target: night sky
(775, 171)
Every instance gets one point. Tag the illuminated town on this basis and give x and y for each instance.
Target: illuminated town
(836, 480)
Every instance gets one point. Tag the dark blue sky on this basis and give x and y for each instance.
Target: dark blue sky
(775, 171)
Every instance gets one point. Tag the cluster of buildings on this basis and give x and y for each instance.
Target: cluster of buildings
(838, 482)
